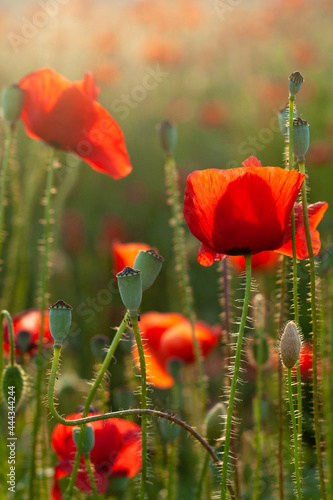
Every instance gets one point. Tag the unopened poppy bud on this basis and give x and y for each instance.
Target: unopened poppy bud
(301, 138)
(89, 438)
(169, 430)
(12, 100)
(215, 423)
(150, 264)
(12, 384)
(130, 288)
(99, 345)
(60, 319)
(23, 340)
(168, 137)
(290, 345)
(284, 120)
(295, 83)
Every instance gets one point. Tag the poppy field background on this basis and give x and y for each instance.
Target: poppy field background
(218, 70)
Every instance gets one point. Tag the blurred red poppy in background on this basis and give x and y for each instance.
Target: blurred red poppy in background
(243, 210)
(124, 254)
(116, 453)
(168, 336)
(305, 361)
(261, 262)
(26, 327)
(65, 115)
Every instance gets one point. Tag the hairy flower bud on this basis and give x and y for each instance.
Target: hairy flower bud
(130, 288)
(290, 345)
(60, 319)
(150, 264)
(284, 120)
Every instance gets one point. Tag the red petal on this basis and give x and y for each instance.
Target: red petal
(89, 86)
(252, 162)
(241, 210)
(261, 262)
(124, 254)
(316, 213)
(207, 257)
(63, 114)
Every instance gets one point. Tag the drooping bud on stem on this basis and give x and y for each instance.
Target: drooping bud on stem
(130, 288)
(150, 264)
(168, 137)
(89, 438)
(295, 84)
(12, 99)
(60, 319)
(301, 140)
(290, 345)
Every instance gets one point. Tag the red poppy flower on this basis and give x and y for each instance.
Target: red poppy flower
(168, 336)
(261, 262)
(305, 361)
(124, 254)
(243, 210)
(26, 326)
(65, 115)
(116, 452)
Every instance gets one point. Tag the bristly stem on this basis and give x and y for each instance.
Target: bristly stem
(4, 168)
(295, 292)
(258, 398)
(91, 476)
(39, 361)
(139, 345)
(235, 377)
(315, 334)
(125, 413)
(293, 419)
(90, 397)
(181, 267)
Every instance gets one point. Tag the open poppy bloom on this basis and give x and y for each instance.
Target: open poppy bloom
(116, 453)
(26, 326)
(65, 115)
(124, 254)
(240, 211)
(168, 336)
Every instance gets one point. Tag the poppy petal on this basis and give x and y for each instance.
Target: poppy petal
(157, 373)
(252, 162)
(206, 257)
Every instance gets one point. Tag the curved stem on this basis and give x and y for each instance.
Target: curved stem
(138, 341)
(5, 163)
(235, 377)
(315, 334)
(293, 419)
(90, 397)
(91, 477)
(181, 267)
(124, 413)
(39, 362)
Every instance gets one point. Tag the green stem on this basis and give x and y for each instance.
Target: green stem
(138, 341)
(235, 377)
(5, 163)
(257, 404)
(172, 455)
(124, 413)
(39, 361)
(293, 419)
(181, 267)
(202, 477)
(315, 334)
(283, 292)
(90, 397)
(91, 476)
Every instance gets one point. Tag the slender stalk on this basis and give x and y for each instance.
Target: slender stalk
(39, 362)
(181, 267)
(91, 476)
(90, 397)
(235, 377)
(293, 419)
(315, 334)
(5, 163)
(257, 402)
(124, 413)
(202, 477)
(172, 455)
(138, 341)
(5, 314)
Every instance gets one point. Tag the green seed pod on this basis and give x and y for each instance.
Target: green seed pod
(168, 137)
(89, 438)
(301, 138)
(150, 264)
(290, 345)
(284, 120)
(169, 430)
(215, 423)
(12, 103)
(60, 318)
(295, 83)
(130, 288)
(23, 340)
(99, 345)
(13, 384)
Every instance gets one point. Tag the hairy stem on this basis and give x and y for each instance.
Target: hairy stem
(293, 420)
